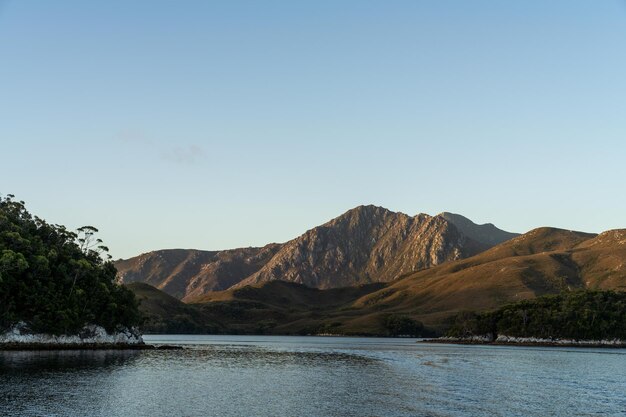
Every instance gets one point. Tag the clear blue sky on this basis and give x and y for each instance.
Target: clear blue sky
(223, 124)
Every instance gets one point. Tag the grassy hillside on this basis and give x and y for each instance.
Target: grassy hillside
(165, 314)
(276, 307)
(543, 261)
(284, 308)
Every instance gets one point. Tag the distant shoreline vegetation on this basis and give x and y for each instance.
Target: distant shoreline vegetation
(56, 282)
(579, 317)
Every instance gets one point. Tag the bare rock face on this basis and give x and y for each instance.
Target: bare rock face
(364, 245)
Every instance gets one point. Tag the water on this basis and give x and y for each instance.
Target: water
(314, 376)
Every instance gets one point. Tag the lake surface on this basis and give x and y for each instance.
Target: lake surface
(314, 376)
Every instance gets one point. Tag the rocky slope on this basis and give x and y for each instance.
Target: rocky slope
(191, 273)
(364, 245)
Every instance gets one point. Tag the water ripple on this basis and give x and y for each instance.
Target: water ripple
(295, 376)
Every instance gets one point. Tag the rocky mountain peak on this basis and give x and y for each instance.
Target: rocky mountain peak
(363, 245)
(366, 244)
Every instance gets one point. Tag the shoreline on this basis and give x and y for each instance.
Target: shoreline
(74, 346)
(530, 342)
(87, 346)
(90, 337)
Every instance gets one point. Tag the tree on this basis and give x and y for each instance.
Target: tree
(401, 325)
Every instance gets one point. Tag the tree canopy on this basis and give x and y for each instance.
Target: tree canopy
(56, 280)
(579, 314)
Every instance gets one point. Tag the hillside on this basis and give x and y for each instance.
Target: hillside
(602, 260)
(364, 245)
(165, 314)
(543, 261)
(275, 307)
(280, 307)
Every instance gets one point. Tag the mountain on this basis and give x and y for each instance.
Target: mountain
(487, 234)
(189, 273)
(542, 261)
(364, 245)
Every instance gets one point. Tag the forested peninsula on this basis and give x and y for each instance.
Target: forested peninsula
(572, 318)
(57, 287)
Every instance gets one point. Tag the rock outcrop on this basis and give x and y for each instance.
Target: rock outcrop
(20, 334)
(528, 341)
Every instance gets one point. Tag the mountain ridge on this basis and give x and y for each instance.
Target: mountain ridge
(543, 261)
(363, 245)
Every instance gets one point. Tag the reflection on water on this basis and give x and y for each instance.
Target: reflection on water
(310, 376)
(63, 360)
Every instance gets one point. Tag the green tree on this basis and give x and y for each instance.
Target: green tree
(401, 325)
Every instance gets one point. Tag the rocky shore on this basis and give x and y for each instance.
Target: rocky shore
(528, 341)
(20, 337)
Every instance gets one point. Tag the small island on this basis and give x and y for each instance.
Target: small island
(58, 289)
(586, 318)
